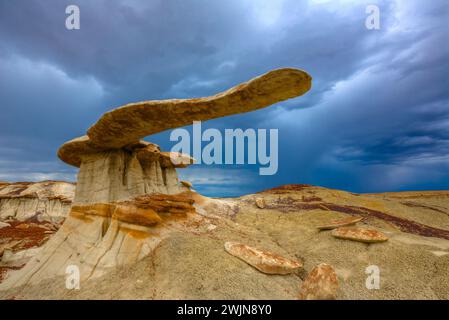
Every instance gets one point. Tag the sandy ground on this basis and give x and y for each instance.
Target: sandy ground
(194, 265)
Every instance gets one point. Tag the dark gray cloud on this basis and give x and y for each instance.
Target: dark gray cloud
(376, 118)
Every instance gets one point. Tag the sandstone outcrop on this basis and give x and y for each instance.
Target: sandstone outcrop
(47, 199)
(120, 174)
(183, 256)
(100, 236)
(260, 203)
(128, 195)
(340, 223)
(263, 260)
(187, 184)
(321, 284)
(359, 234)
(4, 224)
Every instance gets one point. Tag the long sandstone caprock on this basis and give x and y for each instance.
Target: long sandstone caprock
(127, 124)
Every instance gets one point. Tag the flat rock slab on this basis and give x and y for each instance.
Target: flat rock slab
(359, 234)
(340, 223)
(321, 284)
(262, 260)
(126, 125)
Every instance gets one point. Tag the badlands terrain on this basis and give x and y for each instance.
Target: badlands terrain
(188, 258)
(129, 229)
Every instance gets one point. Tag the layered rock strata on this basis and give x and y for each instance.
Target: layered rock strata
(50, 200)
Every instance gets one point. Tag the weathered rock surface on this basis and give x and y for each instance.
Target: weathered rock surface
(262, 260)
(333, 224)
(23, 200)
(119, 175)
(100, 236)
(187, 184)
(359, 234)
(125, 185)
(260, 203)
(124, 126)
(184, 258)
(321, 284)
(4, 224)
(134, 231)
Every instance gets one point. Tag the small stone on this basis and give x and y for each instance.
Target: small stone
(186, 184)
(264, 261)
(320, 284)
(340, 223)
(359, 234)
(260, 203)
(135, 215)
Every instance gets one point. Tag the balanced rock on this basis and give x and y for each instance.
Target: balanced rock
(260, 203)
(262, 260)
(359, 234)
(320, 284)
(340, 223)
(4, 224)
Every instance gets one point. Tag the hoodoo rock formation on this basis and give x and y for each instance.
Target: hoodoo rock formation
(49, 200)
(128, 195)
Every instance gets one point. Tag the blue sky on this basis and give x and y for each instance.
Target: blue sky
(376, 119)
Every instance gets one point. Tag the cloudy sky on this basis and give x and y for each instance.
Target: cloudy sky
(376, 119)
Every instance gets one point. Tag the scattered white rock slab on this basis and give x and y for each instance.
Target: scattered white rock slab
(340, 223)
(260, 203)
(320, 284)
(359, 234)
(262, 260)
(19, 258)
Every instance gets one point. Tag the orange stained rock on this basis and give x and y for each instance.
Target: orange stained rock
(320, 284)
(135, 215)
